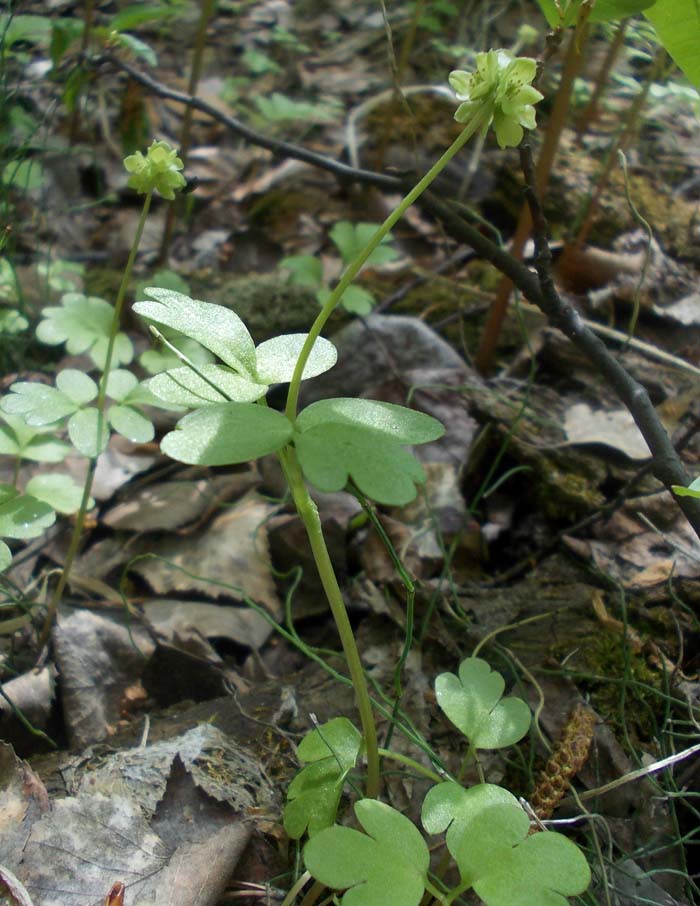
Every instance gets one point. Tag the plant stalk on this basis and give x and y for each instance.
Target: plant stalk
(479, 123)
(308, 512)
(100, 405)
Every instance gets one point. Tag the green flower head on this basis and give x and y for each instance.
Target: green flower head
(502, 86)
(159, 169)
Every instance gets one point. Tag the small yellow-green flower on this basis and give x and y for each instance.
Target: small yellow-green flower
(501, 86)
(159, 170)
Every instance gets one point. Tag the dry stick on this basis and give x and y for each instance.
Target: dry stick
(177, 207)
(279, 148)
(668, 467)
(550, 144)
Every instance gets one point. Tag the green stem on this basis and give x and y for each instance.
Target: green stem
(100, 405)
(411, 763)
(312, 523)
(477, 124)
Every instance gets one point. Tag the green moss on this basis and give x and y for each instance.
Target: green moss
(608, 655)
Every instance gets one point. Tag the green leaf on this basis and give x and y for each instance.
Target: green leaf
(120, 383)
(12, 322)
(448, 806)
(17, 438)
(23, 516)
(84, 323)
(472, 701)
(33, 29)
(5, 556)
(305, 270)
(357, 300)
(279, 108)
(137, 13)
(138, 48)
(603, 11)
(37, 404)
(157, 360)
(76, 385)
(82, 430)
(184, 387)
(677, 23)
(226, 433)
(277, 358)
(314, 793)
(386, 866)
(131, 423)
(693, 489)
(61, 492)
(405, 426)
(510, 868)
(351, 239)
(330, 454)
(217, 328)
(25, 174)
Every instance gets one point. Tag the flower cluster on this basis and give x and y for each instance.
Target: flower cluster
(159, 169)
(502, 86)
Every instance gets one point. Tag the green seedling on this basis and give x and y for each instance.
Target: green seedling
(349, 239)
(486, 831)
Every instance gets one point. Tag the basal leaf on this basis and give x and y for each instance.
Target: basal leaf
(313, 797)
(472, 701)
(131, 423)
(357, 300)
(23, 516)
(82, 430)
(305, 270)
(405, 426)
(449, 806)
(351, 239)
(227, 433)
(541, 869)
(217, 328)
(60, 492)
(337, 738)
(277, 358)
(332, 453)
(388, 865)
(184, 387)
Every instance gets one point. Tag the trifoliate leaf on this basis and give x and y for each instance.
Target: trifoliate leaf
(509, 868)
(351, 239)
(388, 865)
(82, 430)
(226, 433)
(405, 426)
(37, 404)
(305, 270)
(357, 300)
(331, 453)
(23, 516)
(217, 328)
(314, 793)
(131, 423)
(472, 701)
(61, 492)
(83, 323)
(157, 360)
(21, 440)
(277, 358)
(5, 556)
(185, 387)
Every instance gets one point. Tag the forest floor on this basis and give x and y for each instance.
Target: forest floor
(193, 647)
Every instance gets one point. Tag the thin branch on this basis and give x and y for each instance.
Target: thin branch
(279, 148)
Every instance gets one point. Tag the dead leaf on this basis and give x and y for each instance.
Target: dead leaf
(614, 428)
